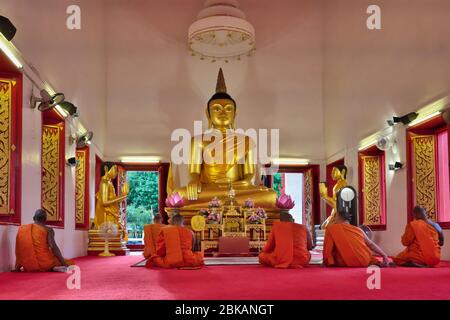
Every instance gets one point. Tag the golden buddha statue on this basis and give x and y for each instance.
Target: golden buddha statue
(210, 179)
(338, 174)
(107, 207)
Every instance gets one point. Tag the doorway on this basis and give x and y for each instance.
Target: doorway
(142, 203)
(291, 183)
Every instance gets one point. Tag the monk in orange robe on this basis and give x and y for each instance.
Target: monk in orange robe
(151, 232)
(288, 245)
(175, 248)
(348, 246)
(36, 249)
(423, 239)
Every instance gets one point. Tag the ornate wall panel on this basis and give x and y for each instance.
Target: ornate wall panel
(6, 146)
(372, 197)
(51, 171)
(121, 179)
(81, 181)
(424, 173)
(308, 200)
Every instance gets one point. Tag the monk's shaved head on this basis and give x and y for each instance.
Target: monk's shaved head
(40, 216)
(345, 216)
(286, 217)
(177, 220)
(157, 218)
(419, 213)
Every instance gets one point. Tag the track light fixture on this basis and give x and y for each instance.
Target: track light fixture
(406, 119)
(7, 29)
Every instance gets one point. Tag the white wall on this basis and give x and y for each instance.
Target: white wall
(72, 62)
(372, 75)
(73, 243)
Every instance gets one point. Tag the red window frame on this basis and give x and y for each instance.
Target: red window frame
(372, 151)
(51, 117)
(9, 72)
(429, 127)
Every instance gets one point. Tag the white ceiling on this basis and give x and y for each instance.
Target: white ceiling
(129, 71)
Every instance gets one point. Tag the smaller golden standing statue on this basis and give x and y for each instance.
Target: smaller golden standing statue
(338, 174)
(107, 209)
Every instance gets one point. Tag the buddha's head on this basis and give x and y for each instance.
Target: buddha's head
(221, 109)
(111, 173)
(339, 173)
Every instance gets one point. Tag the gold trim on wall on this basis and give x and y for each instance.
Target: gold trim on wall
(424, 173)
(372, 190)
(51, 171)
(80, 187)
(308, 200)
(5, 145)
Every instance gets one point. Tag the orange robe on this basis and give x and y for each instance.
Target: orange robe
(345, 246)
(151, 232)
(32, 250)
(174, 249)
(287, 246)
(422, 242)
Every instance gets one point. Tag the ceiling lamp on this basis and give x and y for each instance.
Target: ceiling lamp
(221, 32)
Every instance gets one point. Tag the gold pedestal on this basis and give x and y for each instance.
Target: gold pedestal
(256, 233)
(97, 244)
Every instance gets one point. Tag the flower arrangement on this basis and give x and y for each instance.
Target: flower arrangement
(203, 212)
(285, 202)
(213, 218)
(249, 204)
(215, 203)
(258, 216)
(175, 200)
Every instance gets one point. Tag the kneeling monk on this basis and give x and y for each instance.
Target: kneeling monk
(174, 247)
(151, 232)
(348, 246)
(423, 239)
(288, 245)
(36, 249)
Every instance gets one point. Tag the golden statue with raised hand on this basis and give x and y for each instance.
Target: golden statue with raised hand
(338, 174)
(209, 179)
(107, 207)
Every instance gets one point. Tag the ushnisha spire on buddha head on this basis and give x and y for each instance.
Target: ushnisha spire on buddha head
(221, 94)
(221, 89)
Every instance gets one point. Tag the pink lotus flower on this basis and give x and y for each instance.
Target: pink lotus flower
(215, 203)
(285, 202)
(261, 213)
(175, 200)
(249, 204)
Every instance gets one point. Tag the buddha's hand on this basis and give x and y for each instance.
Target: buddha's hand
(323, 189)
(241, 183)
(193, 189)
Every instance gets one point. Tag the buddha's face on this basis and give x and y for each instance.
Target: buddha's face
(222, 113)
(112, 173)
(336, 174)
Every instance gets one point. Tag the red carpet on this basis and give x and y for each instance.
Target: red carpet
(113, 278)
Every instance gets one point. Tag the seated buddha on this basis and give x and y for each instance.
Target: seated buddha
(212, 175)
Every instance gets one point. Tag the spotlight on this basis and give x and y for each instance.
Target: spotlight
(68, 107)
(7, 28)
(85, 139)
(46, 101)
(396, 166)
(446, 115)
(407, 119)
(72, 162)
